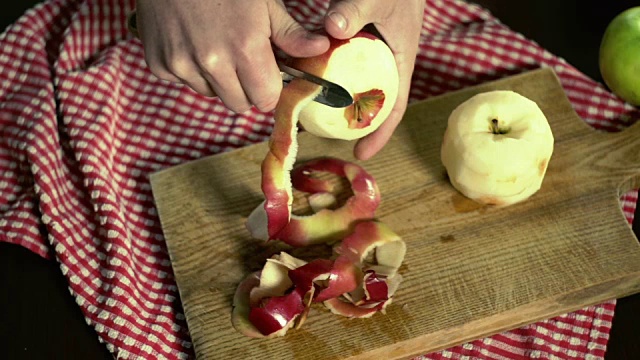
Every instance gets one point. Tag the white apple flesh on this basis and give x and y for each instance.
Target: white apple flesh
(497, 147)
(365, 66)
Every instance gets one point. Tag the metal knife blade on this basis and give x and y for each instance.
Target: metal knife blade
(332, 94)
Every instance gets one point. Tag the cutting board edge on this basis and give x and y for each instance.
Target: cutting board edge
(392, 352)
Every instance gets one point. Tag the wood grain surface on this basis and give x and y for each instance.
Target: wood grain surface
(470, 271)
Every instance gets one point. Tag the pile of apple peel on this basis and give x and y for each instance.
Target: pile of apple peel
(357, 282)
(497, 147)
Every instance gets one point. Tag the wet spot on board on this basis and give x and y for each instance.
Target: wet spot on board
(462, 204)
(447, 238)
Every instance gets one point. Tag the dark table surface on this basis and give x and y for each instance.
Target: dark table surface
(40, 320)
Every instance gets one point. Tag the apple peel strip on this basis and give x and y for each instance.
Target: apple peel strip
(283, 147)
(325, 225)
(359, 282)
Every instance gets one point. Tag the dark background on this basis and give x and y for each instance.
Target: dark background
(40, 320)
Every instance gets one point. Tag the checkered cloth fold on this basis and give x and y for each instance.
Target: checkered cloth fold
(83, 123)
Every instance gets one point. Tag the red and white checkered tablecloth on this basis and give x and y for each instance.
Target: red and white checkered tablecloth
(83, 123)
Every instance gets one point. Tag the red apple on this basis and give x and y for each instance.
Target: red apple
(364, 65)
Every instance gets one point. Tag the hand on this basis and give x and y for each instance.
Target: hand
(399, 22)
(223, 47)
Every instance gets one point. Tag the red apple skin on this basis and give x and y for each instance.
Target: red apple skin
(309, 230)
(376, 286)
(304, 276)
(296, 105)
(342, 279)
(620, 56)
(281, 155)
(350, 310)
(277, 312)
(241, 306)
(364, 235)
(302, 180)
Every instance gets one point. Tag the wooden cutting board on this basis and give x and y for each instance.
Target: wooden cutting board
(470, 271)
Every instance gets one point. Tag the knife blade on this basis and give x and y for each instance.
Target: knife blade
(332, 94)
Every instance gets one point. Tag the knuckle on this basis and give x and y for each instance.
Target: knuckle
(248, 48)
(239, 107)
(179, 65)
(267, 102)
(208, 61)
(157, 68)
(353, 10)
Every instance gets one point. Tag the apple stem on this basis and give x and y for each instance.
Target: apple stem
(495, 128)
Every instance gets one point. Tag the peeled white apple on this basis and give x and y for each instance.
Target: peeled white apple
(496, 147)
(364, 65)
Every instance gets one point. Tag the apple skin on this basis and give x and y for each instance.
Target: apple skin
(362, 65)
(620, 56)
(497, 169)
(366, 67)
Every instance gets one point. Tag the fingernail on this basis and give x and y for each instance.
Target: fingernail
(339, 20)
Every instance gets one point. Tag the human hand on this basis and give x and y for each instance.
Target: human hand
(399, 23)
(223, 48)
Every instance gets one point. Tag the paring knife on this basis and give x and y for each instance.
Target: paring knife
(332, 94)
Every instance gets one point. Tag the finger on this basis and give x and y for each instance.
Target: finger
(229, 90)
(199, 84)
(224, 81)
(288, 35)
(346, 17)
(159, 67)
(260, 77)
(370, 145)
(155, 58)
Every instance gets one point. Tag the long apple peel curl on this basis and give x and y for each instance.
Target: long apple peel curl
(283, 146)
(326, 225)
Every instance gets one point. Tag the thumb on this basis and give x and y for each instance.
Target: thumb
(346, 17)
(288, 35)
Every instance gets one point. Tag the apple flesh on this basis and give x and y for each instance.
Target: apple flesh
(364, 65)
(497, 147)
(620, 55)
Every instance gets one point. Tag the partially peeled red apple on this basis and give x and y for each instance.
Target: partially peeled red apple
(497, 147)
(365, 66)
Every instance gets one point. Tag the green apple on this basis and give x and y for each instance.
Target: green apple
(620, 55)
